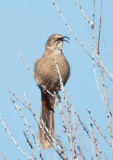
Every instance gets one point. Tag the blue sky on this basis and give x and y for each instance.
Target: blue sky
(29, 24)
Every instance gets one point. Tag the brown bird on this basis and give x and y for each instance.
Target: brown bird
(46, 77)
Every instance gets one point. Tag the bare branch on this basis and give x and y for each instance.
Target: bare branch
(93, 11)
(29, 142)
(4, 158)
(89, 21)
(106, 45)
(106, 102)
(107, 72)
(54, 3)
(98, 128)
(67, 107)
(99, 27)
(105, 69)
(45, 130)
(84, 127)
(17, 97)
(74, 137)
(23, 59)
(97, 82)
(26, 123)
(14, 140)
(96, 144)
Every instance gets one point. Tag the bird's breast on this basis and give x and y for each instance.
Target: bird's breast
(47, 74)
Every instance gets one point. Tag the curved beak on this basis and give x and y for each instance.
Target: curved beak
(64, 38)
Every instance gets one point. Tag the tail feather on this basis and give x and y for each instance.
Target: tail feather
(47, 116)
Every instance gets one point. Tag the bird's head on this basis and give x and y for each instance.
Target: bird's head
(55, 42)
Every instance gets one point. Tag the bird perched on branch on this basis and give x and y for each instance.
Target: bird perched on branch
(47, 78)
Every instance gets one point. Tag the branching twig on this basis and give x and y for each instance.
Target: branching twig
(44, 128)
(102, 79)
(96, 144)
(67, 107)
(50, 138)
(98, 128)
(26, 123)
(105, 69)
(14, 140)
(30, 144)
(54, 3)
(106, 102)
(17, 97)
(84, 127)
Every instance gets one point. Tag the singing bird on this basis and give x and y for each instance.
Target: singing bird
(47, 78)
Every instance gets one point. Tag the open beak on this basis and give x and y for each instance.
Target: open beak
(64, 38)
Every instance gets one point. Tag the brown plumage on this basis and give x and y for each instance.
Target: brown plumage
(45, 75)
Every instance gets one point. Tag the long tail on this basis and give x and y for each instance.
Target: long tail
(47, 116)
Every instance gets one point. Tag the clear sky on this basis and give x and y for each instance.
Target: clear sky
(29, 24)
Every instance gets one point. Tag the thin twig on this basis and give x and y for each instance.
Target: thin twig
(99, 27)
(106, 45)
(93, 11)
(84, 127)
(101, 66)
(58, 139)
(14, 140)
(67, 107)
(17, 97)
(96, 144)
(106, 102)
(4, 158)
(105, 69)
(54, 144)
(107, 72)
(54, 3)
(44, 128)
(30, 144)
(97, 82)
(89, 21)
(26, 123)
(110, 91)
(64, 120)
(80, 152)
(98, 128)
(23, 59)
(74, 137)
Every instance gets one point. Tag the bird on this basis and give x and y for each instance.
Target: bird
(47, 79)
